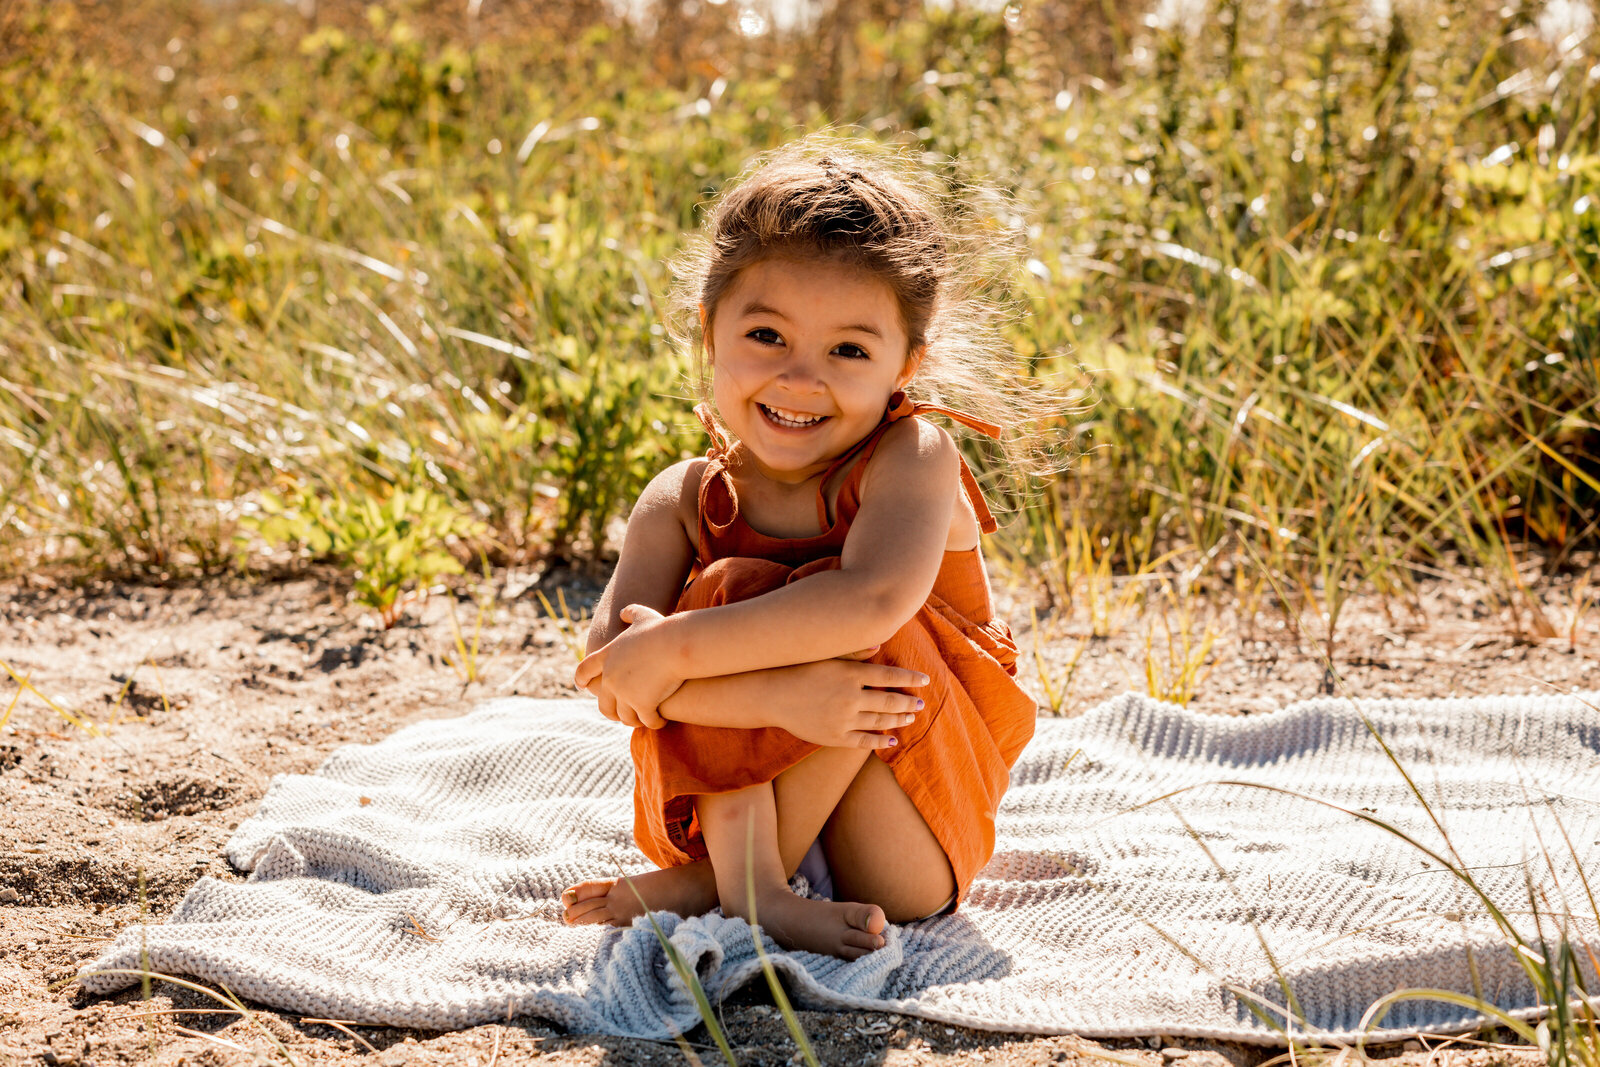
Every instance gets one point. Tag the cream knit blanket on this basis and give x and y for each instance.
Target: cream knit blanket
(1138, 888)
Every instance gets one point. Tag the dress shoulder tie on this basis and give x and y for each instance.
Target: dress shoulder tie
(719, 439)
(719, 503)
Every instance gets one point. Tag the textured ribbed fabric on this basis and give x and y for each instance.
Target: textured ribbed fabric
(1132, 892)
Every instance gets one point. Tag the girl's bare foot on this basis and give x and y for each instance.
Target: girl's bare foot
(687, 890)
(842, 929)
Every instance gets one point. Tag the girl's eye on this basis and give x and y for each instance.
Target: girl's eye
(764, 335)
(849, 351)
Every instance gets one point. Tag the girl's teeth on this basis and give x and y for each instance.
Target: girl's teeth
(790, 419)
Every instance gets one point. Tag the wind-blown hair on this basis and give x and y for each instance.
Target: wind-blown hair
(942, 251)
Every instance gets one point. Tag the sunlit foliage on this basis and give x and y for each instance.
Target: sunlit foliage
(1329, 275)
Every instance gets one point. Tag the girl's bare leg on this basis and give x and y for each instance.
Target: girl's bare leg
(805, 794)
(741, 831)
(880, 849)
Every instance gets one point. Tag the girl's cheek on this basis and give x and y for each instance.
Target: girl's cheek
(734, 371)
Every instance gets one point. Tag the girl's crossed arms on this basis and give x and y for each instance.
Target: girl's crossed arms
(911, 510)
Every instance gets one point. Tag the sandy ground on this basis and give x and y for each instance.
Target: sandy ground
(204, 691)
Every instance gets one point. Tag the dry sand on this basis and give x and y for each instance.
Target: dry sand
(206, 690)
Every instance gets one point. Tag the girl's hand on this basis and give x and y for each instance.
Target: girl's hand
(626, 674)
(842, 703)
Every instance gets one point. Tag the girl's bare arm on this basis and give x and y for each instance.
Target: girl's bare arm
(887, 569)
(834, 703)
(657, 552)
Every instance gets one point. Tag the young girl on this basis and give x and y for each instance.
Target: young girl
(831, 685)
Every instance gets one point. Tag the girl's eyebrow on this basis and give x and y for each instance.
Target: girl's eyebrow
(756, 307)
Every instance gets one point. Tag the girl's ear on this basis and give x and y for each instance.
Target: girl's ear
(913, 364)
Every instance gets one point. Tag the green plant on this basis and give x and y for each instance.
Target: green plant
(1365, 347)
(25, 685)
(467, 660)
(1175, 667)
(570, 625)
(779, 997)
(687, 976)
(1055, 682)
(395, 546)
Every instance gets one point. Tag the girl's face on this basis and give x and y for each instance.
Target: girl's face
(805, 354)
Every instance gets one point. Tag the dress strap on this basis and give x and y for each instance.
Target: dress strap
(718, 502)
(902, 406)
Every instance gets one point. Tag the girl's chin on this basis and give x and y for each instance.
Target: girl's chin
(789, 464)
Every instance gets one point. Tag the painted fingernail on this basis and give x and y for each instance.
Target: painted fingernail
(919, 705)
(893, 741)
(925, 679)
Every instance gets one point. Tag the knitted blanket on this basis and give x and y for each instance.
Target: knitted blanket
(1157, 872)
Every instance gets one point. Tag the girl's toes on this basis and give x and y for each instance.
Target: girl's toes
(587, 890)
(868, 918)
(863, 942)
(584, 912)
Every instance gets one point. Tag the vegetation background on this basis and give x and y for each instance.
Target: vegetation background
(384, 282)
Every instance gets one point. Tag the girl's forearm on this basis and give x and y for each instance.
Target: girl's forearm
(821, 616)
(740, 701)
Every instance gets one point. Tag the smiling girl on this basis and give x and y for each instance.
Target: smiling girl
(799, 627)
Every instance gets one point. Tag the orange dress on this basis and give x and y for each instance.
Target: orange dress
(953, 761)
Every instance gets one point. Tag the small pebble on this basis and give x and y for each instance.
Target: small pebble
(1170, 1054)
(1412, 1046)
(8, 895)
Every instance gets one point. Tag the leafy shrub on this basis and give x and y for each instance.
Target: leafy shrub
(395, 547)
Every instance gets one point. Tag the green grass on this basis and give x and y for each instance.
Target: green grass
(1332, 283)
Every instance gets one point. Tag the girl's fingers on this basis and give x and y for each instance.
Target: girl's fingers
(883, 676)
(608, 706)
(588, 669)
(638, 716)
(888, 702)
(635, 613)
(872, 741)
(888, 720)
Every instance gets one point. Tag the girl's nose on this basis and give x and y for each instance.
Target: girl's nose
(799, 374)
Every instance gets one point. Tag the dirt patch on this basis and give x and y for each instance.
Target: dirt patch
(200, 693)
(178, 793)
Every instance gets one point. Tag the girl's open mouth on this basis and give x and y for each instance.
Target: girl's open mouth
(791, 420)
